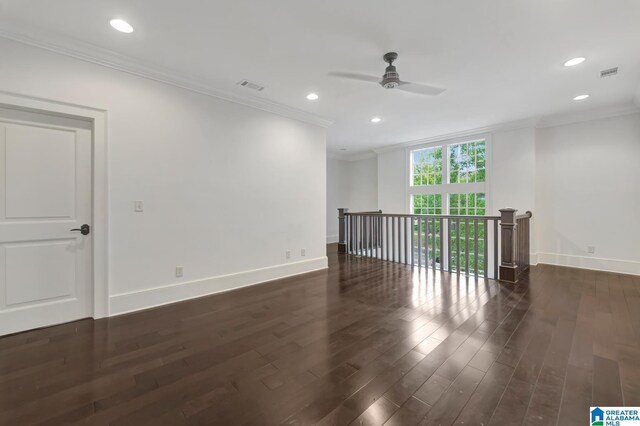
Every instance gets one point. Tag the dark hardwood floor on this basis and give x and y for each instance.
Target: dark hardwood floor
(366, 342)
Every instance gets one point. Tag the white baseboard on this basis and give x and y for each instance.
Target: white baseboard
(332, 239)
(157, 296)
(595, 263)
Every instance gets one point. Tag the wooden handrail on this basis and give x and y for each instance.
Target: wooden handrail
(527, 215)
(446, 216)
(457, 243)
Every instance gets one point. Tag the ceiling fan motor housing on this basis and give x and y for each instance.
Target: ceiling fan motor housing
(390, 79)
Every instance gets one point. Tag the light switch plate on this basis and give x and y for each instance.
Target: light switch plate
(138, 205)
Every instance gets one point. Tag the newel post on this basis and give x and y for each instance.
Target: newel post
(508, 268)
(342, 230)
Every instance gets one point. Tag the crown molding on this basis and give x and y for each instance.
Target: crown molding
(588, 115)
(362, 156)
(97, 55)
(335, 156)
(511, 125)
(353, 157)
(535, 122)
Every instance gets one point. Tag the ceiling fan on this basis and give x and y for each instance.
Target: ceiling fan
(391, 79)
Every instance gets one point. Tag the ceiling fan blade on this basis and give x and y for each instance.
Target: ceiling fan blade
(420, 89)
(356, 76)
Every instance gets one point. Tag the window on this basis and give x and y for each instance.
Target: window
(472, 204)
(450, 179)
(426, 166)
(427, 204)
(467, 162)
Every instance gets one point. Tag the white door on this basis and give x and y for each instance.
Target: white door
(45, 192)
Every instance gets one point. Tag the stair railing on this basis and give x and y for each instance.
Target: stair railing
(458, 244)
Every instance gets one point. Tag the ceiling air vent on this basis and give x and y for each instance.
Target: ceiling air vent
(608, 73)
(250, 85)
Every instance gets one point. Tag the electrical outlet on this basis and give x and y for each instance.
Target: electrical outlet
(138, 206)
(179, 271)
(287, 254)
(591, 249)
(303, 252)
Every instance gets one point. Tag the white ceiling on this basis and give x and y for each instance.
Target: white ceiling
(500, 60)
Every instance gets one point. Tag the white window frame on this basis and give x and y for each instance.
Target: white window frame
(447, 188)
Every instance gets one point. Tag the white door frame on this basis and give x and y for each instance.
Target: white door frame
(99, 227)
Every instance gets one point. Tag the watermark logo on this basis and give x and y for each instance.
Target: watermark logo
(614, 416)
(597, 416)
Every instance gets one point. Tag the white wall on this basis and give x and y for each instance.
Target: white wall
(588, 194)
(337, 194)
(581, 181)
(513, 169)
(227, 188)
(512, 175)
(363, 185)
(351, 184)
(392, 182)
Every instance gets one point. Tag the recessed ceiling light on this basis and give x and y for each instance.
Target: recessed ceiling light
(376, 119)
(574, 61)
(580, 97)
(121, 25)
(312, 96)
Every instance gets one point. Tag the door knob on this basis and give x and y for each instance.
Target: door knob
(84, 229)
